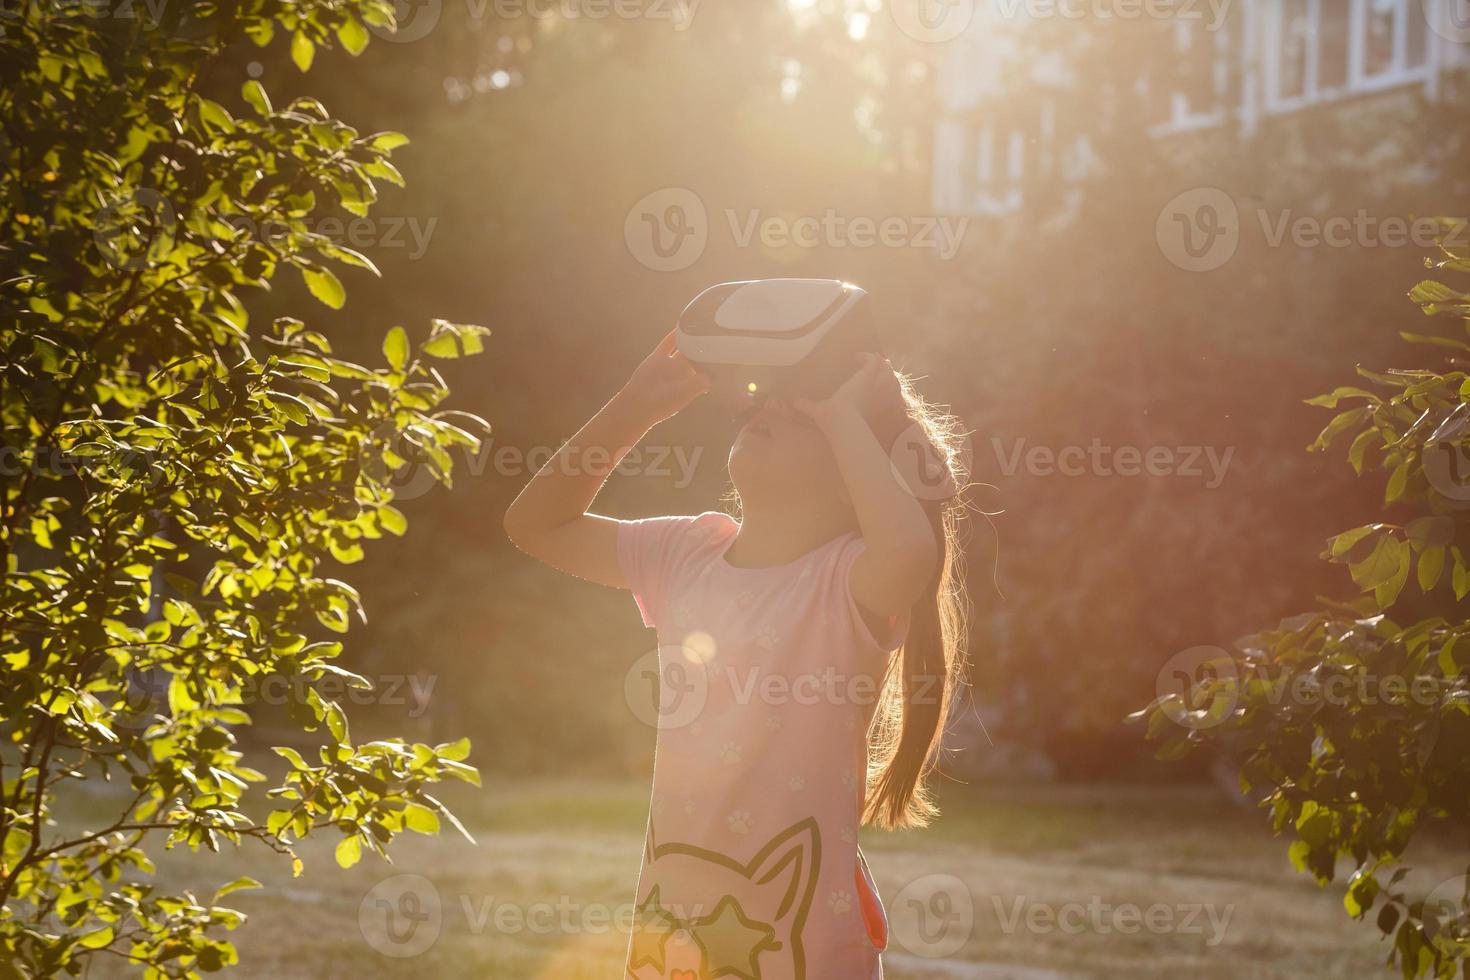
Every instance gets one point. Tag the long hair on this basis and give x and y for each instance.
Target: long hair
(907, 730)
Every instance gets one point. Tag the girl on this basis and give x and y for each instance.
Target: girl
(786, 717)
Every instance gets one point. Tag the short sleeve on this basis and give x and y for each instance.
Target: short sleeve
(653, 554)
(897, 629)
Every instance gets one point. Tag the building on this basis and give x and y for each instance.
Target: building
(1234, 63)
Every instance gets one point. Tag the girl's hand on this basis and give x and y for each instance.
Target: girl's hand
(872, 392)
(664, 384)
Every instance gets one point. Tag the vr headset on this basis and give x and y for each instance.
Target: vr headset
(789, 338)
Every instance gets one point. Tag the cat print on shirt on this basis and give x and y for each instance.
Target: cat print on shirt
(706, 916)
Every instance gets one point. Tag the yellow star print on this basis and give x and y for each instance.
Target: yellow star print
(651, 931)
(731, 942)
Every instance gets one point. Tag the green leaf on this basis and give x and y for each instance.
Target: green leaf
(395, 348)
(255, 96)
(1389, 555)
(391, 519)
(420, 819)
(349, 851)
(216, 118)
(337, 723)
(302, 50)
(458, 750)
(353, 35)
(1430, 291)
(1433, 531)
(239, 884)
(1431, 567)
(1342, 543)
(1448, 665)
(386, 140)
(97, 939)
(324, 286)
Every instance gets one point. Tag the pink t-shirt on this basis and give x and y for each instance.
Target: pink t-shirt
(768, 679)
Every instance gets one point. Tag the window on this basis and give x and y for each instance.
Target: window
(1206, 54)
(1308, 44)
(1319, 50)
(1389, 43)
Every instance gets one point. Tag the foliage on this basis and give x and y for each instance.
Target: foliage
(178, 483)
(1355, 719)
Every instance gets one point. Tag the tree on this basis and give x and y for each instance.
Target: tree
(1354, 719)
(179, 483)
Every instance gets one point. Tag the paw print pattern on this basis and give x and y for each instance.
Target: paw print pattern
(796, 783)
(773, 723)
(745, 599)
(766, 638)
(740, 821)
(730, 754)
(848, 782)
(840, 902)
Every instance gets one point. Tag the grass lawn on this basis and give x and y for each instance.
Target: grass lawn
(1034, 882)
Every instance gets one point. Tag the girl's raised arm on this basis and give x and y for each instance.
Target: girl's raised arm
(549, 519)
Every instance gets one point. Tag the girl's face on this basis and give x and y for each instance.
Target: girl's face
(780, 455)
